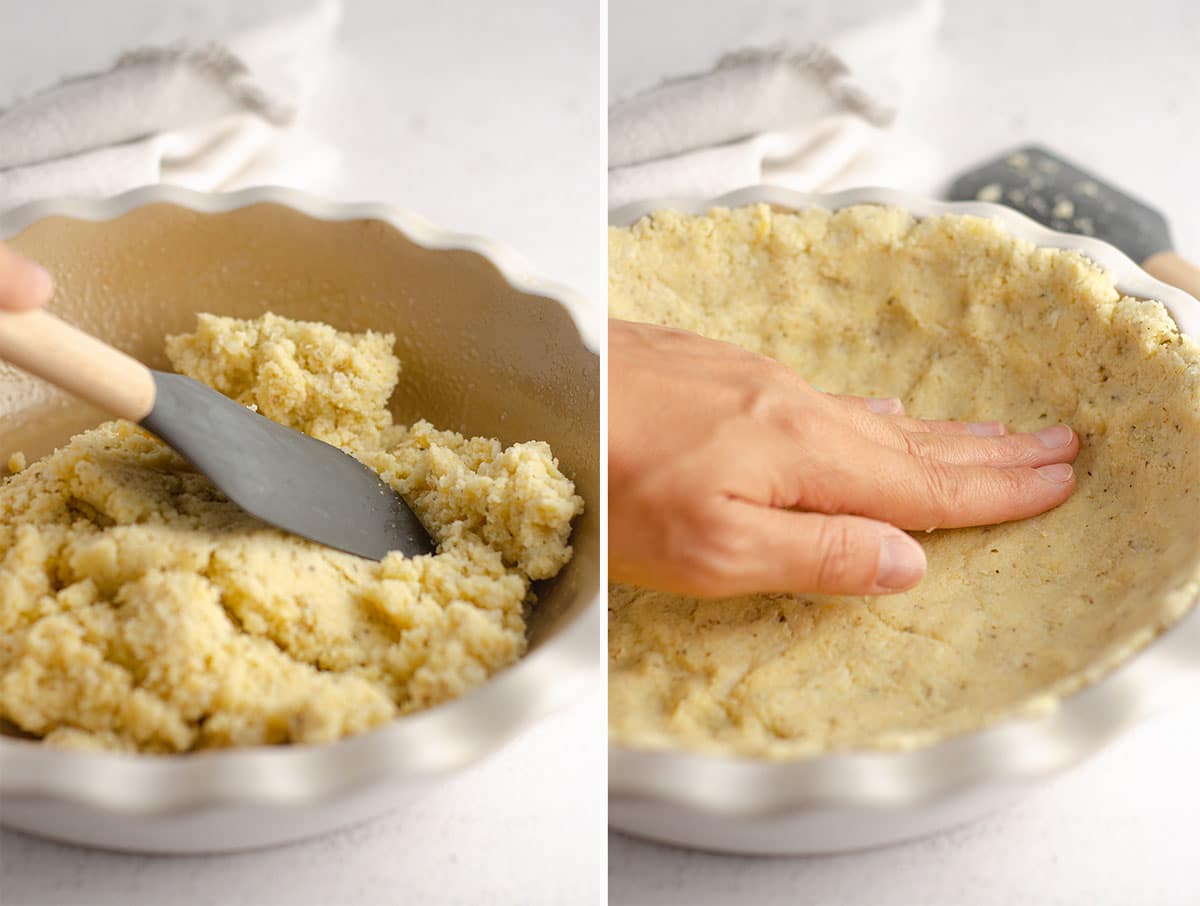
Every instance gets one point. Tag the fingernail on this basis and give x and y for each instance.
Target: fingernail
(985, 429)
(1059, 472)
(1053, 438)
(901, 562)
(891, 406)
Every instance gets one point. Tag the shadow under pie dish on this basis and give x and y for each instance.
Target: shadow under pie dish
(485, 351)
(803, 723)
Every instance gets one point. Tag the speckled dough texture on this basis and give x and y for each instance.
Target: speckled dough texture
(961, 321)
(141, 611)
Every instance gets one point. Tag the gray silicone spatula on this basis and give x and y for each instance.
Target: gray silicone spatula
(1057, 193)
(281, 476)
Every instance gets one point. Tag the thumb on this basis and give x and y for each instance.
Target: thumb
(813, 552)
(23, 284)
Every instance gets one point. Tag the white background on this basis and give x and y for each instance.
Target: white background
(486, 118)
(1111, 84)
(1115, 86)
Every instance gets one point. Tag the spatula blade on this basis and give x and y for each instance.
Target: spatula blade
(281, 476)
(1062, 196)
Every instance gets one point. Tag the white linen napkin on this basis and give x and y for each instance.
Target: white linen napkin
(213, 117)
(814, 118)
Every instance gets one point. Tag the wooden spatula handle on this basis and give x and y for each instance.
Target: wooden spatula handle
(45, 346)
(1171, 268)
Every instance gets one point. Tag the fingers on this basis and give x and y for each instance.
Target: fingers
(782, 550)
(23, 284)
(915, 493)
(1050, 445)
(894, 408)
(966, 443)
(877, 405)
(926, 475)
(930, 426)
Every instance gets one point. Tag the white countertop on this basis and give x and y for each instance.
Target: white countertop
(1114, 86)
(1120, 830)
(526, 826)
(486, 121)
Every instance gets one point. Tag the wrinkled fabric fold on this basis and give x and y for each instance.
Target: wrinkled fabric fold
(807, 118)
(213, 117)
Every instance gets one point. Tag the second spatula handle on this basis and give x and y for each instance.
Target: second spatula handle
(1176, 270)
(38, 342)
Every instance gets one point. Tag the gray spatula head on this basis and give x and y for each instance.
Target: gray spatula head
(1060, 195)
(281, 476)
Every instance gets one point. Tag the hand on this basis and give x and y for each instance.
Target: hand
(23, 284)
(728, 474)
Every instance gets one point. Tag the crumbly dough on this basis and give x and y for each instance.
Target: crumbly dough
(140, 610)
(961, 321)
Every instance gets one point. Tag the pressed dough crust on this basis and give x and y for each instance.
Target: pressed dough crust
(141, 611)
(961, 321)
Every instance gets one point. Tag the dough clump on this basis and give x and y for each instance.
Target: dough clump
(961, 321)
(141, 611)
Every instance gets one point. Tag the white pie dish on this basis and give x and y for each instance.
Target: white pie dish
(853, 800)
(525, 366)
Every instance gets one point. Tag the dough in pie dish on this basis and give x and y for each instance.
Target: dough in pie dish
(142, 611)
(961, 321)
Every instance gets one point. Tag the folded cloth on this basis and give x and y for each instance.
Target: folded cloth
(799, 118)
(214, 117)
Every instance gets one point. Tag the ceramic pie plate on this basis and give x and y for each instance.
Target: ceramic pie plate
(860, 799)
(499, 352)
